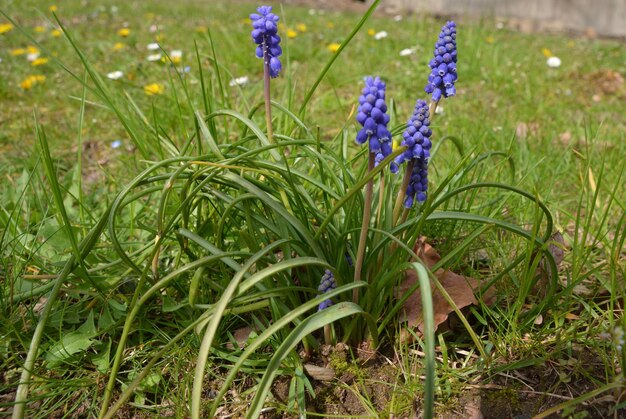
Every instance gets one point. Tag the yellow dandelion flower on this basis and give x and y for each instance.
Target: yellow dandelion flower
(371, 32)
(546, 52)
(118, 46)
(201, 29)
(291, 33)
(124, 32)
(56, 33)
(5, 27)
(53, 8)
(490, 39)
(39, 61)
(333, 47)
(30, 81)
(32, 50)
(17, 51)
(153, 89)
(301, 27)
(330, 25)
(39, 29)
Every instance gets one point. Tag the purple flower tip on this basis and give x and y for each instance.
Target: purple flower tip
(416, 138)
(372, 115)
(443, 65)
(327, 284)
(264, 34)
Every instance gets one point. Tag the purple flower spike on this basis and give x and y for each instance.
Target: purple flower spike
(372, 115)
(264, 33)
(327, 284)
(443, 67)
(416, 138)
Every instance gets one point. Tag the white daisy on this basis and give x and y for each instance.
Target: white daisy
(380, 35)
(154, 57)
(554, 62)
(176, 53)
(153, 46)
(32, 56)
(407, 51)
(239, 81)
(115, 75)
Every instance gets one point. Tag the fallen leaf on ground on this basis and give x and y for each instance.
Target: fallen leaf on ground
(556, 247)
(460, 288)
(319, 373)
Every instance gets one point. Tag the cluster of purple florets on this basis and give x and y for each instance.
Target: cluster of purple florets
(443, 65)
(372, 115)
(416, 138)
(326, 284)
(265, 35)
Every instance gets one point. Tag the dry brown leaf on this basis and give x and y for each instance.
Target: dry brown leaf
(460, 288)
(241, 336)
(556, 247)
(319, 373)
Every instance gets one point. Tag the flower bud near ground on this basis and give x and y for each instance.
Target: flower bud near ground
(327, 284)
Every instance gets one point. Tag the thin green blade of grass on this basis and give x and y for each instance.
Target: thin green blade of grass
(336, 55)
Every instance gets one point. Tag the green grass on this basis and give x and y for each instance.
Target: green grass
(154, 253)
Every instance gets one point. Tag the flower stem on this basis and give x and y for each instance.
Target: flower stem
(367, 211)
(266, 91)
(327, 335)
(402, 193)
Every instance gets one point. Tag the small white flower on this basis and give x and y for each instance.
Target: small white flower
(407, 51)
(116, 144)
(554, 62)
(153, 46)
(115, 75)
(239, 81)
(153, 28)
(397, 18)
(176, 53)
(380, 35)
(500, 25)
(154, 57)
(32, 56)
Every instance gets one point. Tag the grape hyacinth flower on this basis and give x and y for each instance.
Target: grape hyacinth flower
(416, 138)
(372, 115)
(443, 65)
(265, 35)
(326, 284)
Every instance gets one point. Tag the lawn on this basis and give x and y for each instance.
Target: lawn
(162, 248)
